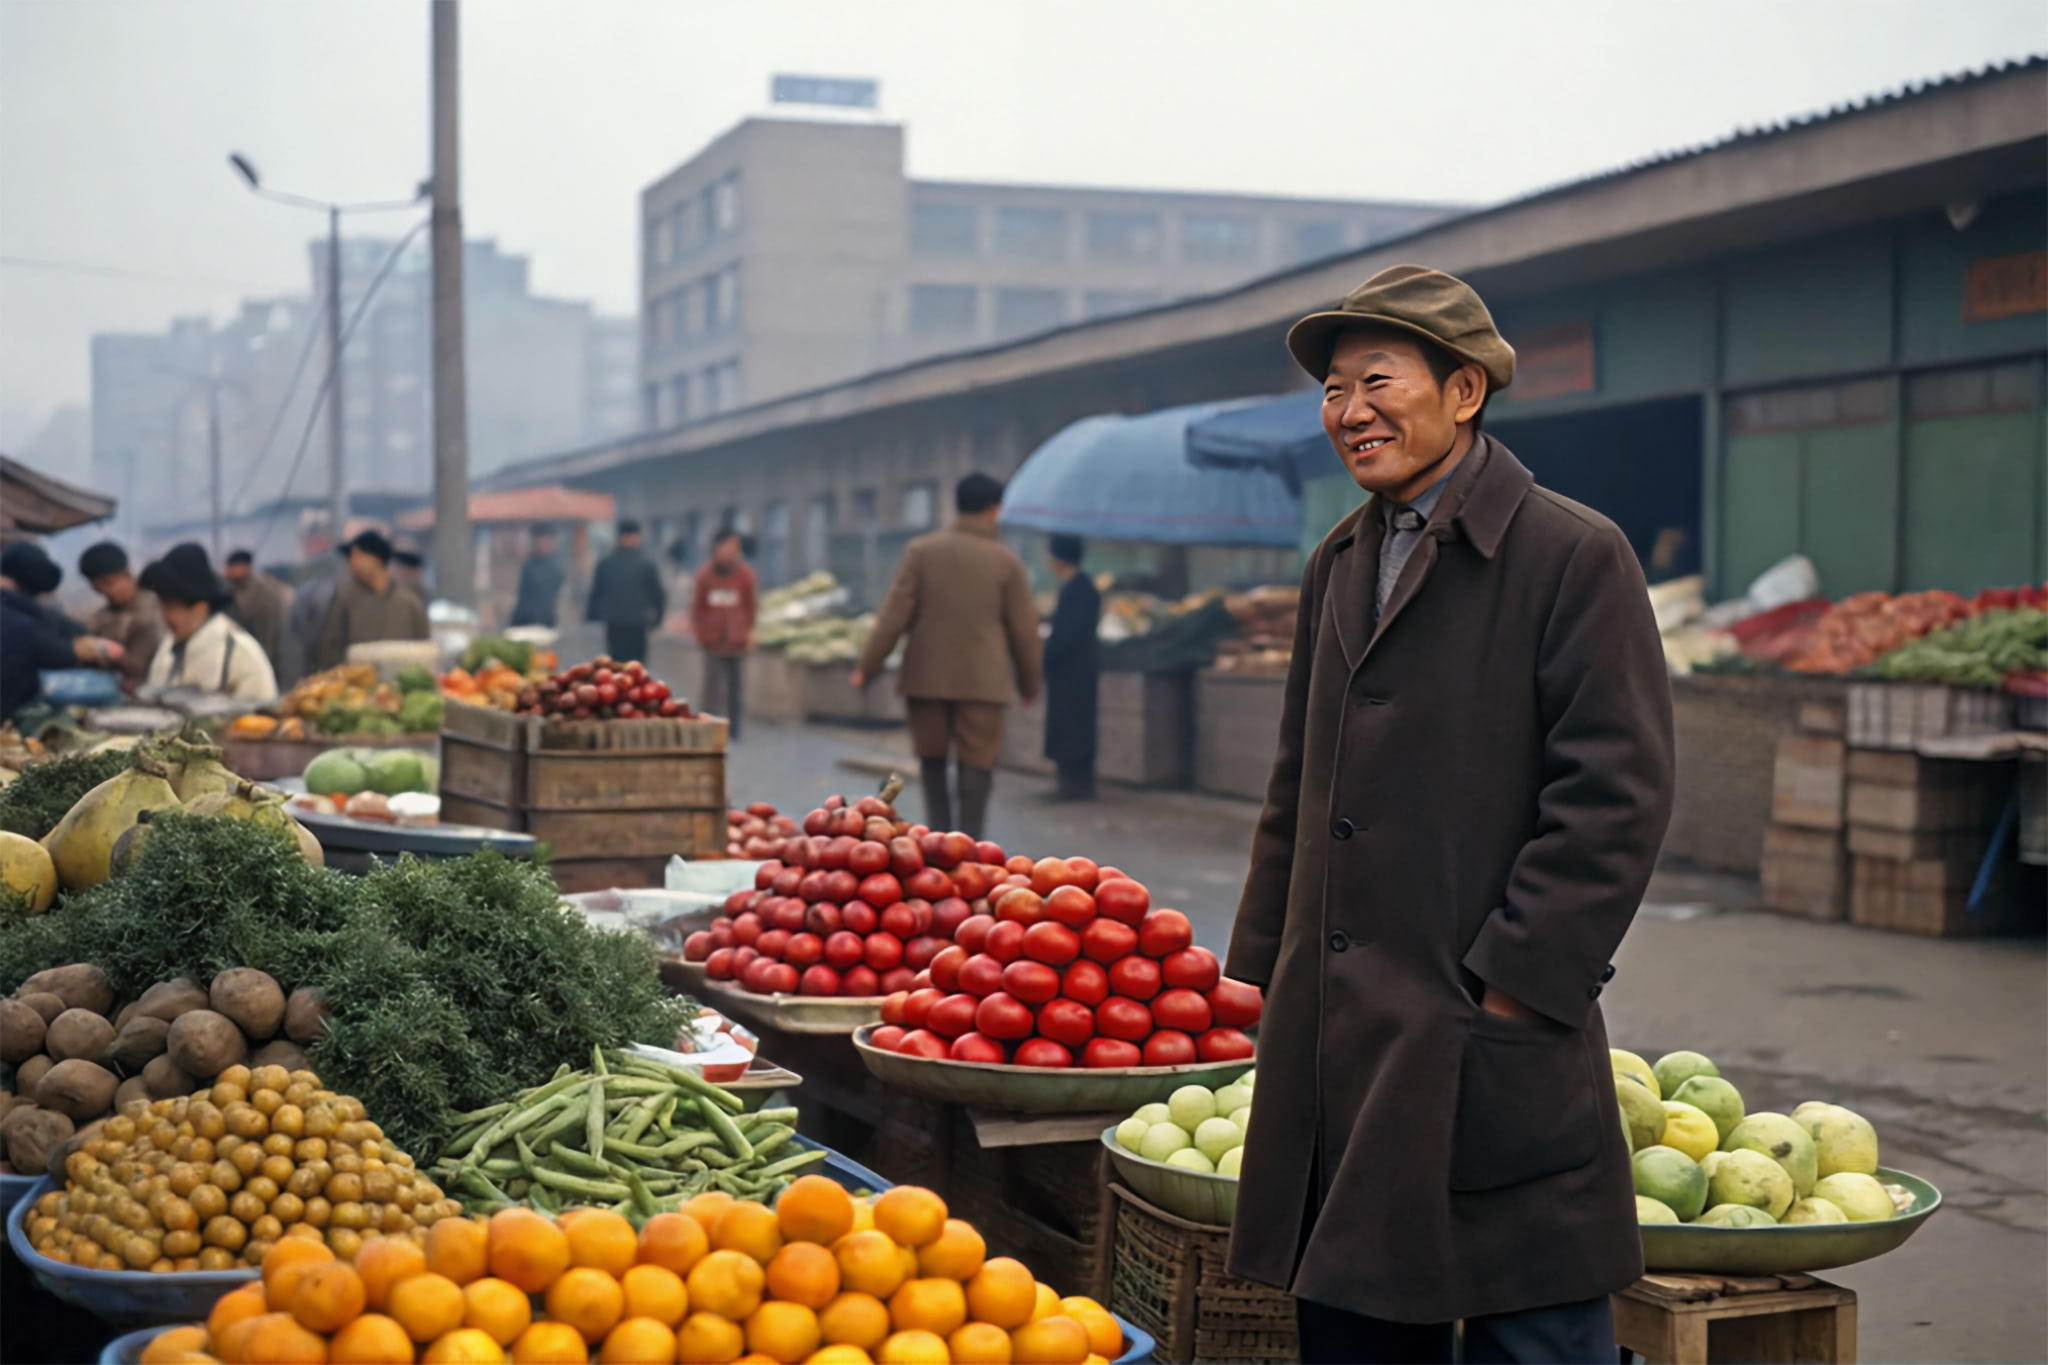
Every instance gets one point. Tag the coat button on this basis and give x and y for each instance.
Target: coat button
(1592, 992)
(1339, 941)
(1343, 829)
(1608, 973)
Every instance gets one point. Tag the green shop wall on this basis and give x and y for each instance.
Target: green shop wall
(1934, 258)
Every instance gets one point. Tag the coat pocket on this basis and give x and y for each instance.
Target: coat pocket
(1525, 1104)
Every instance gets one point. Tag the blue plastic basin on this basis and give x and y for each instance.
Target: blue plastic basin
(125, 1298)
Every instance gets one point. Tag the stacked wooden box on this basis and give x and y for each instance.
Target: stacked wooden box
(1805, 867)
(615, 799)
(1918, 832)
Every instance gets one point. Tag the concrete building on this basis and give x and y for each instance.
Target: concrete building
(792, 253)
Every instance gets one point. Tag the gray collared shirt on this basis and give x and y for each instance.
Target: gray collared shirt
(1405, 525)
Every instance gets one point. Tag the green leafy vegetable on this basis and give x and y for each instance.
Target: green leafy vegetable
(34, 802)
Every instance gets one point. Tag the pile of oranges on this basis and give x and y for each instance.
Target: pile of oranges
(822, 1278)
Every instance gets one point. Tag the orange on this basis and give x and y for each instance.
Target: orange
(656, 1292)
(706, 1207)
(275, 1339)
(1046, 1303)
(286, 1265)
(980, 1343)
(868, 1263)
(550, 1343)
(786, 1331)
(935, 1306)
(708, 1339)
(910, 1215)
(638, 1341)
(1105, 1338)
(330, 1297)
(1002, 1292)
(839, 1355)
(463, 1346)
(674, 1241)
(459, 1248)
(1094, 1359)
(232, 1344)
(175, 1341)
(588, 1300)
(956, 1255)
(805, 1273)
(497, 1308)
(229, 1309)
(525, 1248)
(427, 1306)
(914, 1348)
(601, 1239)
(853, 1319)
(727, 1283)
(371, 1339)
(863, 1215)
(1057, 1340)
(750, 1228)
(815, 1209)
(383, 1262)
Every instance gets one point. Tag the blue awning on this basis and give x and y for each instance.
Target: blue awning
(1129, 478)
(1283, 435)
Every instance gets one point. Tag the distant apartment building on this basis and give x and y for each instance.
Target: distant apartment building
(792, 253)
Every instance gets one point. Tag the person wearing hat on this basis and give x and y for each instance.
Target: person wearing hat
(1073, 670)
(1473, 776)
(129, 615)
(205, 650)
(369, 604)
(263, 604)
(33, 637)
(626, 594)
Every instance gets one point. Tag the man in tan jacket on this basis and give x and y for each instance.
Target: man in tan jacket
(965, 601)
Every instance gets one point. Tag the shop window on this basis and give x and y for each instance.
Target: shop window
(1028, 234)
(1020, 312)
(1312, 241)
(1124, 235)
(941, 309)
(943, 229)
(920, 506)
(772, 561)
(1218, 239)
(866, 512)
(818, 533)
(679, 399)
(1859, 402)
(1974, 390)
(1107, 303)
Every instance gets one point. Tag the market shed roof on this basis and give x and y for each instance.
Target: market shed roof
(33, 503)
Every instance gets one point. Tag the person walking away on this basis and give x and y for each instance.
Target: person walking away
(1473, 776)
(31, 640)
(205, 649)
(263, 605)
(1073, 667)
(722, 609)
(626, 594)
(540, 582)
(129, 614)
(964, 600)
(369, 604)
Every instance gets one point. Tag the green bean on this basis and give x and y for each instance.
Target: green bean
(546, 1201)
(641, 1118)
(643, 1198)
(808, 1157)
(597, 1060)
(477, 1117)
(596, 1133)
(571, 1119)
(523, 1115)
(689, 1080)
(668, 1110)
(475, 1183)
(667, 1152)
(728, 1132)
(766, 1116)
(767, 1144)
(576, 1184)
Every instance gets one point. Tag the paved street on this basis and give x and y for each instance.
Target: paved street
(1940, 1044)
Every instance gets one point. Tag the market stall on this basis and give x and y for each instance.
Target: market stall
(806, 642)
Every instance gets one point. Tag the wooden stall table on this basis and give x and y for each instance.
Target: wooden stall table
(1687, 1319)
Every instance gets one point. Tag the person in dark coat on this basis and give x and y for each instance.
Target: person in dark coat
(31, 640)
(1072, 667)
(626, 594)
(1473, 777)
(540, 582)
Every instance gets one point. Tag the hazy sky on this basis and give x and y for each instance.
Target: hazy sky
(116, 115)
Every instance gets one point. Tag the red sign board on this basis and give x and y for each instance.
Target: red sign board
(1554, 361)
(2006, 287)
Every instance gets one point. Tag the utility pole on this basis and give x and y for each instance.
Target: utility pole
(337, 424)
(213, 457)
(454, 557)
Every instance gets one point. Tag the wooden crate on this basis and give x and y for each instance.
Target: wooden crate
(603, 874)
(1693, 1319)
(1805, 872)
(1048, 1205)
(1237, 728)
(1910, 794)
(1807, 783)
(1171, 1279)
(1727, 729)
(1141, 735)
(267, 760)
(1931, 898)
(1829, 719)
(600, 833)
(1901, 715)
(1957, 845)
(487, 725)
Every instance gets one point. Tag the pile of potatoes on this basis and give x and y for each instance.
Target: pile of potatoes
(74, 1059)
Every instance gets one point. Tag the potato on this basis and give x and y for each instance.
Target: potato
(30, 1072)
(305, 1015)
(134, 1088)
(7, 1102)
(31, 1132)
(204, 1044)
(77, 1033)
(77, 1089)
(81, 986)
(168, 999)
(166, 1081)
(126, 1013)
(252, 999)
(140, 1039)
(280, 1052)
(43, 1003)
(21, 1032)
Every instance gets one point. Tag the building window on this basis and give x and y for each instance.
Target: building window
(1974, 390)
(1856, 403)
(1123, 235)
(1107, 303)
(920, 506)
(679, 229)
(1315, 240)
(1020, 312)
(729, 395)
(736, 518)
(941, 309)
(1218, 239)
(679, 399)
(725, 204)
(662, 248)
(866, 511)
(650, 406)
(773, 558)
(1027, 234)
(944, 229)
(818, 533)
(726, 284)
(687, 549)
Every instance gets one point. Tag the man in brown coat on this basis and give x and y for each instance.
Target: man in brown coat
(1473, 777)
(262, 604)
(130, 617)
(965, 600)
(370, 604)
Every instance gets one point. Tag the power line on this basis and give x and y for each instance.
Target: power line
(122, 273)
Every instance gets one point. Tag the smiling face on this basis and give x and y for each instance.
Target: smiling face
(1397, 429)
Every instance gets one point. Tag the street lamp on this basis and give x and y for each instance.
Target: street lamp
(337, 480)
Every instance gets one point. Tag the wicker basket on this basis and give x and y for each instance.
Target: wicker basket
(1046, 1204)
(1169, 1279)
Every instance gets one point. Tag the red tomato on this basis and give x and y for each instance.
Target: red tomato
(1086, 982)
(1169, 1047)
(892, 1007)
(1042, 1052)
(1019, 866)
(718, 964)
(741, 957)
(737, 902)
(860, 917)
(1118, 1017)
(973, 932)
(781, 979)
(697, 946)
(882, 889)
(981, 975)
(818, 980)
(1193, 968)
(1052, 943)
(1005, 941)
(919, 952)
(899, 920)
(1068, 1022)
(1182, 1009)
(952, 1016)
(1050, 874)
(920, 982)
(955, 849)
(906, 859)
(787, 881)
(845, 949)
(922, 1043)
(971, 881)
(823, 919)
(1003, 1016)
(1107, 940)
(1235, 1004)
(1107, 1052)
(841, 886)
(917, 1007)
(1032, 982)
(889, 1038)
(1164, 933)
(884, 951)
(721, 936)
(755, 977)
(988, 854)
(977, 1047)
(1071, 906)
(772, 943)
(1224, 1045)
(895, 979)
(1134, 976)
(812, 887)
(945, 967)
(832, 855)
(948, 915)
(1122, 900)
(860, 979)
(929, 884)
(803, 949)
(1019, 905)
(765, 875)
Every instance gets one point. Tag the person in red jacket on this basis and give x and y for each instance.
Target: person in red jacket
(722, 617)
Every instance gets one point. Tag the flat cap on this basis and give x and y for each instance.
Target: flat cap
(1417, 300)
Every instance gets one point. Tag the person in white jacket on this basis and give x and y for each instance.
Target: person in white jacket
(203, 649)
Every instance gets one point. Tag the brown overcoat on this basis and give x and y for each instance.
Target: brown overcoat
(1474, 793)
(965, 601)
